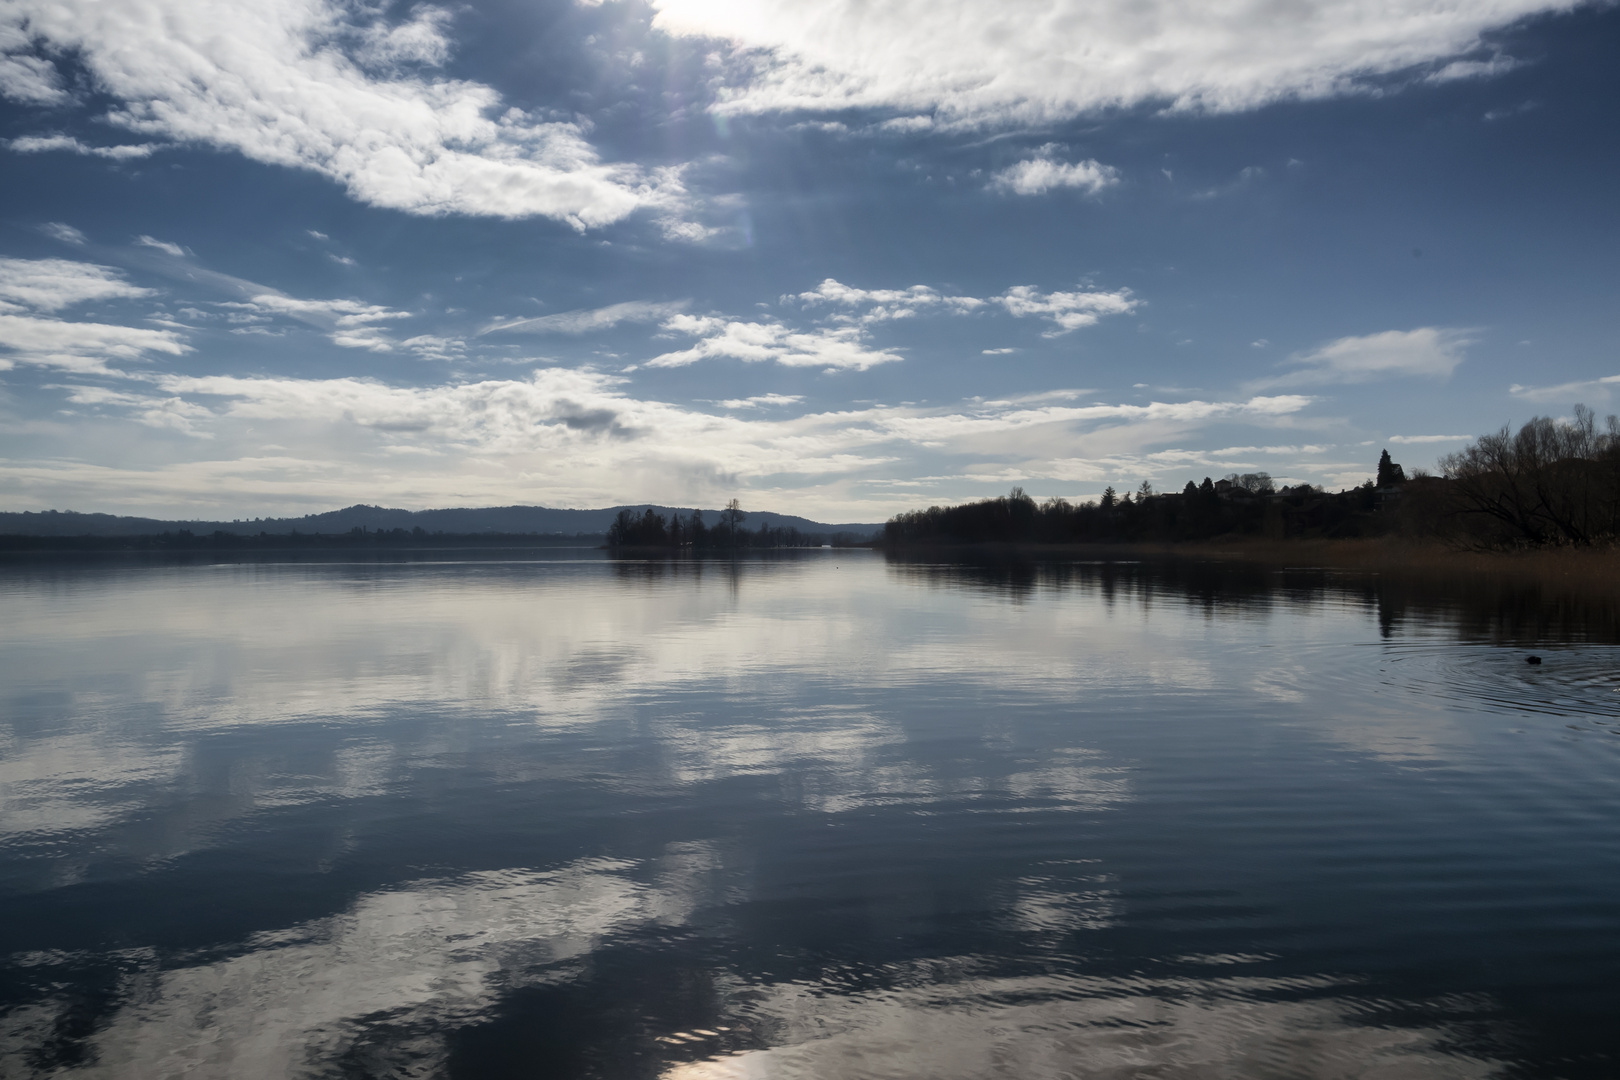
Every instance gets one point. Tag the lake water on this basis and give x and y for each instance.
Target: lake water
(825, 816)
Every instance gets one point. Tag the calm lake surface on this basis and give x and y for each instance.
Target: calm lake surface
(825, 816)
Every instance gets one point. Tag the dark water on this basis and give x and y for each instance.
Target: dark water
(826, 816)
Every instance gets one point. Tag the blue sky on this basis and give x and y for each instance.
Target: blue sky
(829, 257)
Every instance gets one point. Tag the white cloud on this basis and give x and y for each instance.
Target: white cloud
(1068, 310)
(422, 40)
(996, 352)
(35, 144)
(832, 348)
(935, 428)
(349, 323)
(1428, 351)
(1035, 60)
(1474, 69)
(434, 347)
(78, 346)
(293, 83)
(161, 245)
(67, 234)
(1567, 393)
(170, 413)
(1419, 440)
(587, 320)
(1041, 174)
(53, 284)
(24, 77)
(841, 341)
(759, 400)
(834, 291)
(883, 305)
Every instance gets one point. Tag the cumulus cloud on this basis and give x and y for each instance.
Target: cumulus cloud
(832, 348)
(296, 83)
(35, 144)
(1043, 173)
(586, 320)
(422, 40)
(842, 341)
(1066, 310)
(53, 284)
(1428, 351)
(23, 76)
(883, 304)
(1024, 61)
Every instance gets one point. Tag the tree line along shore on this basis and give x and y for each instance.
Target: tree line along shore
(1551, 484)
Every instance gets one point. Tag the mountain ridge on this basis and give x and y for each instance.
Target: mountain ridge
(517, 520)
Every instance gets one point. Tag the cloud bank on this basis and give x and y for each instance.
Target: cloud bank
(584, 436)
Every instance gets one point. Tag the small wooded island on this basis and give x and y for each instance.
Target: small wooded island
(650, 529)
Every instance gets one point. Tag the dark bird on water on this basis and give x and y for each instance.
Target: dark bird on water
(1532, 659)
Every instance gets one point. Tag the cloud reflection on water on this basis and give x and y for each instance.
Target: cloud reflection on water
(162, 712)
(413, 962)
(1057, 1026)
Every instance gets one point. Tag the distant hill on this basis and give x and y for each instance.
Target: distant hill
(493, 519)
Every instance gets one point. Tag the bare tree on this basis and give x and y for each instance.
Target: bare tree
(1554, 482)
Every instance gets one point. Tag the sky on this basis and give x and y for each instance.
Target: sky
(830, 257)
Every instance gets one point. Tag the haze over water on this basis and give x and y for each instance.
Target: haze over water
(824, 816)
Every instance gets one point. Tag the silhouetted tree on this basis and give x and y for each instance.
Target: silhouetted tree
(1389, 473)
(1553, 482)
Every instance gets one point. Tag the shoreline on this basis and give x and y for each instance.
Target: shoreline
(1596, 568)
